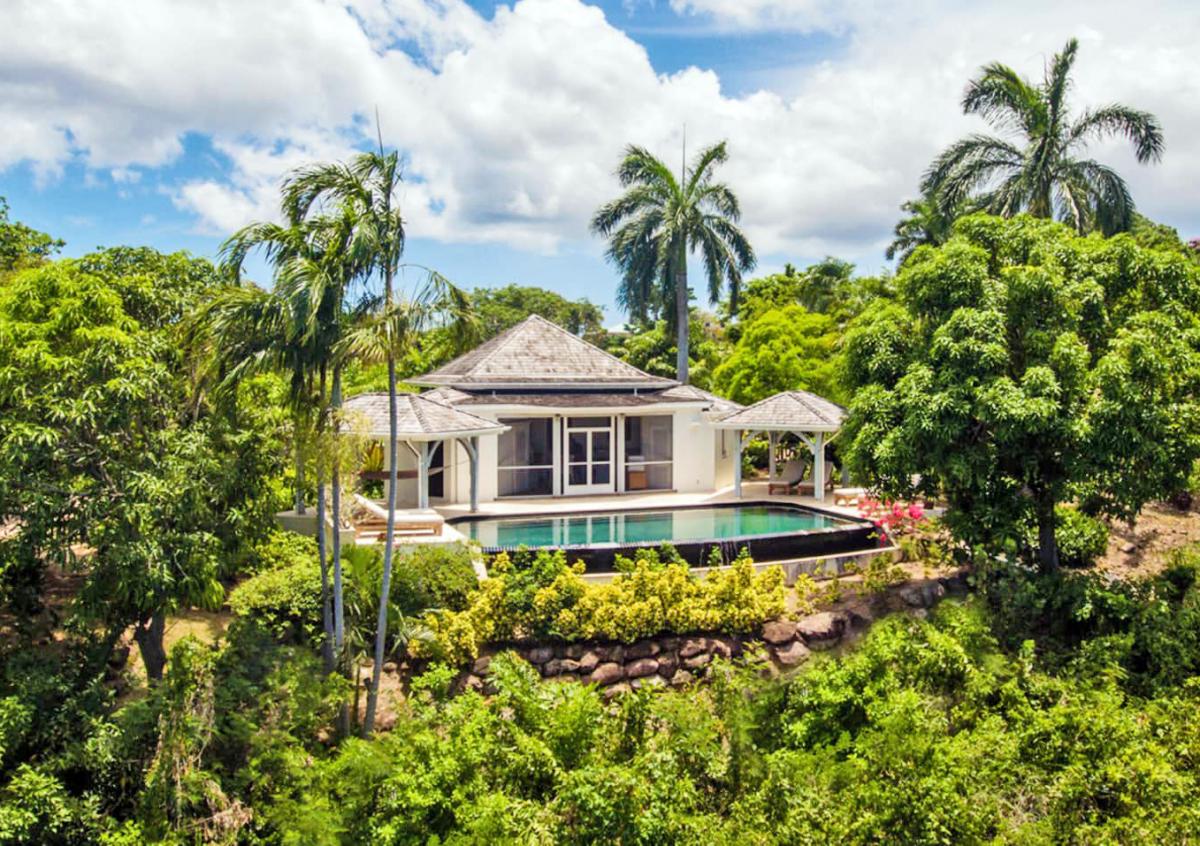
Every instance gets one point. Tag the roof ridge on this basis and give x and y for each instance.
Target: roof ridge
(498, 343)
(596, 347)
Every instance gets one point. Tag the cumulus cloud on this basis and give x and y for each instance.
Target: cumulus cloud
(511, 125)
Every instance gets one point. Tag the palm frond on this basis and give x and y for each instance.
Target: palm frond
(1004, 99)
(1142, 128)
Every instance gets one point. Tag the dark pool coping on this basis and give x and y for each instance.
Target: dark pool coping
(860, 534)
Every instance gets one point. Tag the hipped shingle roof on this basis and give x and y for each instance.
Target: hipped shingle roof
(789, 411)
(419, 418)
(538, 353)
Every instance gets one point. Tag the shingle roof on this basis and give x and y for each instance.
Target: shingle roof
(717, 405)
(795, 411)
(537, 352)
(586, 399)
(419, 417)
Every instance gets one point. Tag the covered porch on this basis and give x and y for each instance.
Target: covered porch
(813, 419)
(422, 425)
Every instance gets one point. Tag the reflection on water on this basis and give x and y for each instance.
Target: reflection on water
(632, 527)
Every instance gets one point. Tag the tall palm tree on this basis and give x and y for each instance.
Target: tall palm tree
(313, 270)
(365, 189)
(658, 222)
(1043, 170)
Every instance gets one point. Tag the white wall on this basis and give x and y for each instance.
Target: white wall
(724, 463)
(693, 446)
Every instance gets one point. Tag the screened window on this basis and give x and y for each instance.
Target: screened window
(648, 452)
(527, 457)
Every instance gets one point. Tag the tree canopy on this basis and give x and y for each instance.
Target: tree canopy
(110, 462)
(1026, 367)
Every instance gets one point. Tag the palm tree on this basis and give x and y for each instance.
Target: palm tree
(313, 270)
(1042, 171)
(658, 222)
(929, 221)
(365, 190)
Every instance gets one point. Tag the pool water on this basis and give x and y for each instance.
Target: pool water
(679, 525)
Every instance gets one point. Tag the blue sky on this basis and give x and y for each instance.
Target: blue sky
(169, 126)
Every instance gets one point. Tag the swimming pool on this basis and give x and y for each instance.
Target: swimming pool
(770, 530)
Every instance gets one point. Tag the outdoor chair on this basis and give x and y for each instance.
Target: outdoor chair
(789, 478)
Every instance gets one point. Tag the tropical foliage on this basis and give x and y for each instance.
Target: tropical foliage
(1026, 367)
(543, 596)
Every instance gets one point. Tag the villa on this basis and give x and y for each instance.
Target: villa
(539, 412)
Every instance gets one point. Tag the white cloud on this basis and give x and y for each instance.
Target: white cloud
(512, 125)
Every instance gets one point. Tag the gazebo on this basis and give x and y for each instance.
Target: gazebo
(815, 420)
(422, 423)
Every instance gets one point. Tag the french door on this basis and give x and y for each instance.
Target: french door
(588, 456)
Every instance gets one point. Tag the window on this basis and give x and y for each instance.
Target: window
(648, 452)
(527, 457)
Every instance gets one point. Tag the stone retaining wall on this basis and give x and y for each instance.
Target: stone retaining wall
(682, 659)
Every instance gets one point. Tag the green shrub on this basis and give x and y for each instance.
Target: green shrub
(1081, 539)
(282, 549)
(543, 597)
(433, 576)
(285, 600)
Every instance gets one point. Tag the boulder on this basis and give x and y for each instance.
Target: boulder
(667, 664)
(539, 654)
(614, 690)
(473, 682)
(642, 649)
(723, 647)
(607, 673)
(822, 629)
(682, 678)
(698, 661)
(779, 631)
(559, 666)
(480, 667)
(575, 650)
(693, 646)
(588, 661)
(670, 644)
(648, 681)
(615, 653)
(641, 667)
(792, 654)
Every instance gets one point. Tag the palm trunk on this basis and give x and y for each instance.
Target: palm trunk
(681, 318)
(339, 616)
(326, 610)
(390, 535)
(299, 459)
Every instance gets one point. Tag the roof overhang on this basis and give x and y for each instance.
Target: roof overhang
(419, 437)
(536, 385)
(773, 427)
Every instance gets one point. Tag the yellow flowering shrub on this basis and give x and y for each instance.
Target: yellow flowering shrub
(647, 598)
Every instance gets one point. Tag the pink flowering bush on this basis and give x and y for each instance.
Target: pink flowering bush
(892, 518)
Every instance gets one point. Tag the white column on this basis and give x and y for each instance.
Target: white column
(772, 440)
(423, 454)
(819, 466)
(473, 451)
(471, 445)
(737, 461)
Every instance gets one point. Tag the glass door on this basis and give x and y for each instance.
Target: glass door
(589, 456)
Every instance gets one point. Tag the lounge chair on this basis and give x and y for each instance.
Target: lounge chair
(408, 522)
(789, 478)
